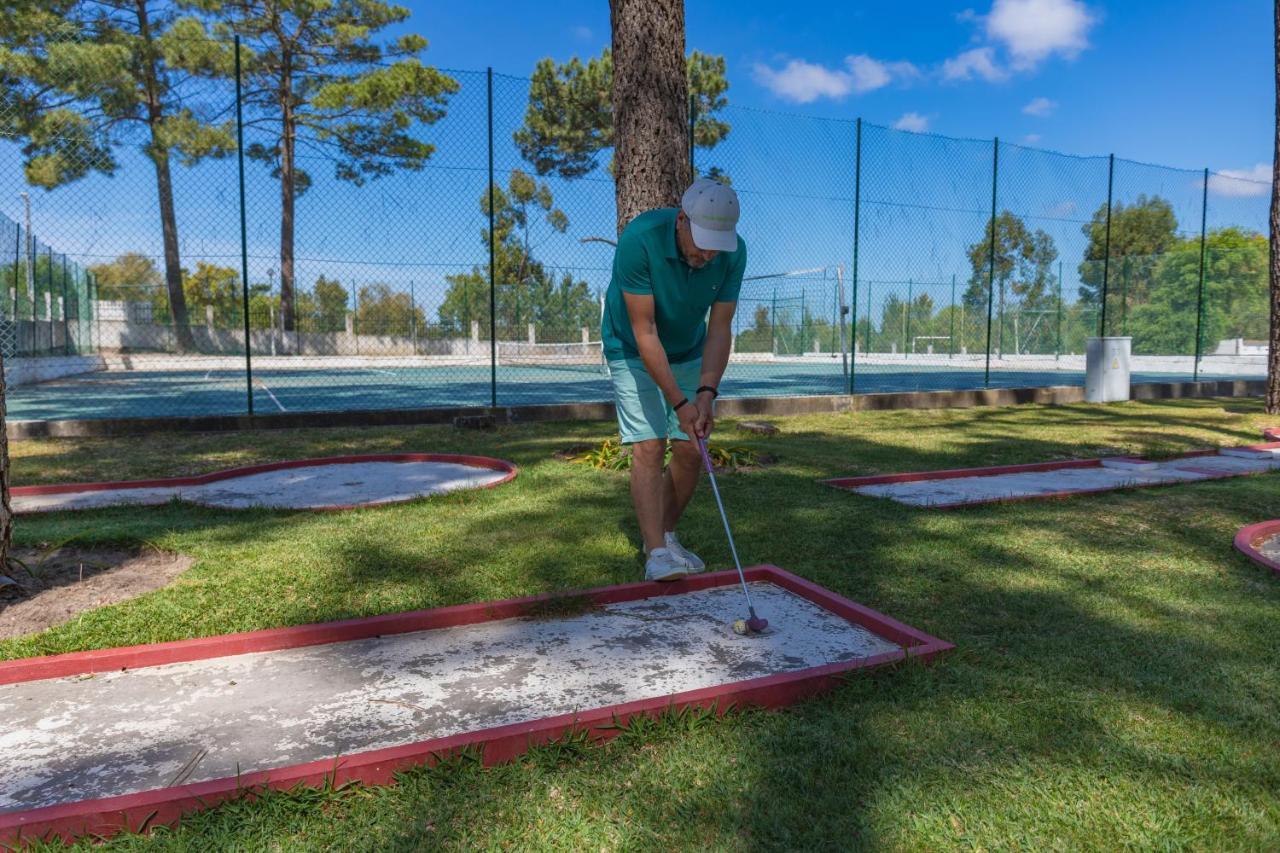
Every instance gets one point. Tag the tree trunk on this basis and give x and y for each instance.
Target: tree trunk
(1273, 360)
(288, 193)
(172, 260)
(159, 153)
(650, 105)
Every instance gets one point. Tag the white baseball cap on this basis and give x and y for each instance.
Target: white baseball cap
(712, 208)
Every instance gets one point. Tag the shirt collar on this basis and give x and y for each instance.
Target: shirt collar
(669, 240)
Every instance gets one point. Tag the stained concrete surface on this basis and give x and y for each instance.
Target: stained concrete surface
(1270, 547)
(75, 738)
(355, 483)
(982, 489)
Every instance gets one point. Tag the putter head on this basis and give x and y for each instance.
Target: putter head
(757, 625)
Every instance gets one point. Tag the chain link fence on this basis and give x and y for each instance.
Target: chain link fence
(236, 273)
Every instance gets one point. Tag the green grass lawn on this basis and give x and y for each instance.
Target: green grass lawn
(1115, 683)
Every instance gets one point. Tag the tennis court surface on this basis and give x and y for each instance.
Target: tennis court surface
(218, 387)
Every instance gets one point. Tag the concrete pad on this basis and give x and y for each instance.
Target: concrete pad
(308, 484)
(950, 491)
(122, 732)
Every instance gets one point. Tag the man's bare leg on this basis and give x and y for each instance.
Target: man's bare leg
(647, 490)
(680, 481)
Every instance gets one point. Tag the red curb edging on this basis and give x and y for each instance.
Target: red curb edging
(231, 473)
(1250, 537)
(1271, 433)
(137, 812)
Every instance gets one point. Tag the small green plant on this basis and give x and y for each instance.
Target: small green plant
(613, 455)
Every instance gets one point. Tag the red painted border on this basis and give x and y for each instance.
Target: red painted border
(231, 473)
(136, 812)
(1271, 433)
(1249, 538)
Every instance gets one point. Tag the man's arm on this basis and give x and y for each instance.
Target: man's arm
(645, 329)
(715, 352)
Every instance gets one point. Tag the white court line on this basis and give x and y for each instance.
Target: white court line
(269, 394)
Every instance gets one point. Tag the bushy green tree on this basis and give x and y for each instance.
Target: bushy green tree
(1235, 294)
(97, 75)
(317, 79)
(525, 216)
(1024, 278)
(569, 119)
(1141, 231)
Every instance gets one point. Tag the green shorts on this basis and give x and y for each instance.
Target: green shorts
(643, 413)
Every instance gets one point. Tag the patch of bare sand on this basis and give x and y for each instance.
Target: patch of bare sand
(67, 581)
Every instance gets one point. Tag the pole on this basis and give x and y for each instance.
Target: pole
(868, 317)
(1057, 348)
(773, 322)
(493, 297)
(906, 318)
(244, 239)
(1124, 296)
(66, 326)
(693, 121)
(413, 318)
(17, 269)
(991, 255)
(951, 341)
(1204, 217)
(48, 295)
(31, 258)
(844, 342)
(1106, 251)
(857, 209)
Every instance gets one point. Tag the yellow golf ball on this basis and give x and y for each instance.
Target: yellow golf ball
(740, 626)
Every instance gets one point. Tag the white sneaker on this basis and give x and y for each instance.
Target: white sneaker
(662, 565)
(691, 561)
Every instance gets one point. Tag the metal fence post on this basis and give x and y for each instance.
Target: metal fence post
(48, 294)
(693, 121)
(991, 255)
(857, 209)
(493, 293)
(951, 339)
(906, 325)
(66, 326)
(17, 268)
(244, 239)
(413, 317)
(1204, 216)
(1057, 347)
(1106, 248)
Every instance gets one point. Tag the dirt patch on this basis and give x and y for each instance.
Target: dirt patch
(67, 581)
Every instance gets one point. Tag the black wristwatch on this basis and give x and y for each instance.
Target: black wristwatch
(683, 401)
(714, 392)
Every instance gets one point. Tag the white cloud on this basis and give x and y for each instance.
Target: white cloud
(803, 82)
(1040, 107)
(913, 122)
(582, 33)
(1031, 138)
(1062, 209)
(978, 62)
(1241, 183)
(1033, 30)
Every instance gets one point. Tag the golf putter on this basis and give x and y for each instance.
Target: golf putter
(755, 624)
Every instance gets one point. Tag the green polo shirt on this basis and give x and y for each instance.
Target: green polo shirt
(648, 262)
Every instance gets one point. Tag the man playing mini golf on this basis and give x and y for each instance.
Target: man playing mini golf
(666, 353)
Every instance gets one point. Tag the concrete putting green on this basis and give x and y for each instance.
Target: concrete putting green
(344, 482)
(964, 487)
(1261, 543)
(98, 740)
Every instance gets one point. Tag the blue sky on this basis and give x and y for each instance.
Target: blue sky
(1175, 83)
(1180, 82)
